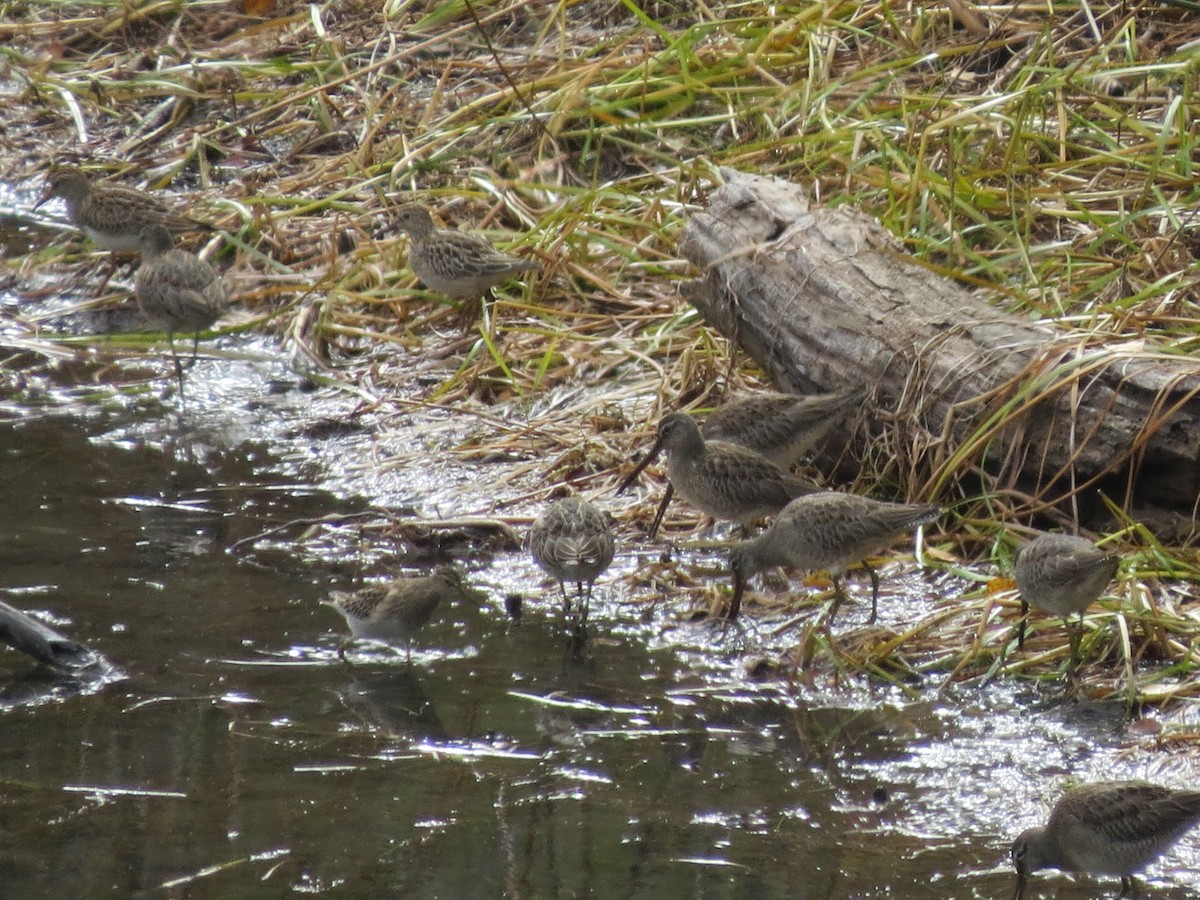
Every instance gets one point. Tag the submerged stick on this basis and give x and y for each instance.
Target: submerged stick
(23, 632)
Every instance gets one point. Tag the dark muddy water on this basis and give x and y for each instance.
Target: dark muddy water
(232, 755)
(237, 757)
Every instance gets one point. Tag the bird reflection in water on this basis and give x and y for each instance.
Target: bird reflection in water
(395, 702)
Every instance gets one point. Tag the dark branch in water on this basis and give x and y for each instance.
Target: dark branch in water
(23, 632)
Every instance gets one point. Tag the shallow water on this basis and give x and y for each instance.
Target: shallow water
(232, 754)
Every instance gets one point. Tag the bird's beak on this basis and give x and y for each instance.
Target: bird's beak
(46, 195)
(1021, 627)
(662, 511)
(646, 460)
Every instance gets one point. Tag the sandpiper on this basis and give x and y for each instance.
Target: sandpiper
(782, 427)
(1112, 828)
(1061, 574)
(176, 290)
(572, 540)
(828, 532)
(111, 215)
(722, 480)
(461, 265)
(392, 613)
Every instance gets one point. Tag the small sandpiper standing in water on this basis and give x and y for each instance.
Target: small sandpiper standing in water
(393, 613)
(722, 480)
(111, 215)
(780, 427)
(572, 540)
(461, 265)
(176, 290)
(1062, 574)
(828, 532)
(1113, 828)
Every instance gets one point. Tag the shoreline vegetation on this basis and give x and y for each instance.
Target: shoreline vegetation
(1047, 159)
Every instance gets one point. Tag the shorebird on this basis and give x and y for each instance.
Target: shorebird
(1061, 574)
(829, 532)
(176, 290)
(781, 427)
(720, 479)
(111, 215)
(572, 540)
(461, 265)
(1112, 828)
(393, 613)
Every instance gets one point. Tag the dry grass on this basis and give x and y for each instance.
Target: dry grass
(1049, 156)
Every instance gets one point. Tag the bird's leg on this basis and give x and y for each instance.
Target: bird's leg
(838, 596)
(734, 632)
(471, 309)
(662, 510)
(874, 594)
(585, 600)
(723, 625)
(735, 599)
(175, 357)
(195, 348)
(1128, 887)
(1021, 625)
(342, 644)
(566, 600)
(576, 637)
(113, 265)
(1076, 638)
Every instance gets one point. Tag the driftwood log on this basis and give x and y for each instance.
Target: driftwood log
(824, 298)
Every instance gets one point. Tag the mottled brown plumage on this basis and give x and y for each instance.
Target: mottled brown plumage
(1061, 574)
(781, 427)
(828, 532)
(722, 480)
(572, 540)
(176, 290)
(461, 265)
(1112, 828)
(393, 613)
(111, 215)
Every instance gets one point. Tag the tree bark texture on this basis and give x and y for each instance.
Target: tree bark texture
(824, 298)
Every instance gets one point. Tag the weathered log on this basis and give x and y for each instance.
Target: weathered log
(823, 298)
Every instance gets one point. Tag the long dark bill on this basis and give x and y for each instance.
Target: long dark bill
(646, 460)
(45, 196)
(662, 510)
